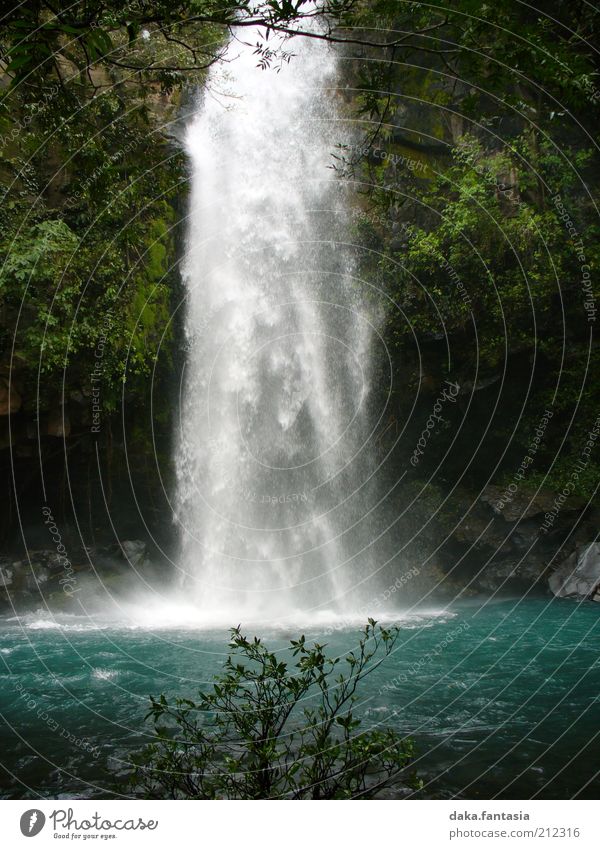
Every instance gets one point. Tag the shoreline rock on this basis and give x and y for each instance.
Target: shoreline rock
(578, 576)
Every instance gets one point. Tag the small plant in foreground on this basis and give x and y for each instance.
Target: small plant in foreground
(269, 729)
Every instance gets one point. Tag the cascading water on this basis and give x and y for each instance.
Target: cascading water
(274, 432)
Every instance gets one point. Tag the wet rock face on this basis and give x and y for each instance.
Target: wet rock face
(29, 581)
(47, 578)
(6, 576)
(578, 576)
(134, 551)
(517, 506)
(511, 573)
(500, 543)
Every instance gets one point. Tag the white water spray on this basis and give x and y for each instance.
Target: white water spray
(272, 461)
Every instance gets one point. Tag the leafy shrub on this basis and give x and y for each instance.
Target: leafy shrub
(269, 729)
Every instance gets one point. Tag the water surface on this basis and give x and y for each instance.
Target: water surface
(502, 698)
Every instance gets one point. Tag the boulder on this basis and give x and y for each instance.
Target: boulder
(45, 560)
(6, 576)
(36, 576)
(134, 551)
(579, 575)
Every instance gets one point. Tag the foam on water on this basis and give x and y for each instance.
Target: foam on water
(176, 615)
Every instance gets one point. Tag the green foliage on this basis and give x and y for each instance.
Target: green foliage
(473, 249)
(36, 282)
(90, 179)
(88, 240)
(507, 247)
(512, 50)
(158, 40)
(493, 253)
(272, 729)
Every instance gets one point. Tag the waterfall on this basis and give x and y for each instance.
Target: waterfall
(272, 459)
